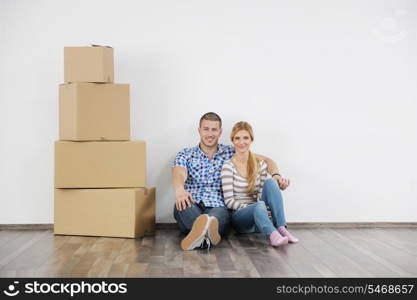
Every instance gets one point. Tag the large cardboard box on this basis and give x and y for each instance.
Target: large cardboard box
(93, 111)
(88, 64)
(100, 164)
(105, 212)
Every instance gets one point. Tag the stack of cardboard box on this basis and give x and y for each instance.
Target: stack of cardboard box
(100, 175)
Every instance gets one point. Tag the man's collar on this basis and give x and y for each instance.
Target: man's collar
(220, 149)
(201, 152)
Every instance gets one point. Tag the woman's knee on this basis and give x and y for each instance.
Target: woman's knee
(271, 188)
(271, 183)
(260, 206)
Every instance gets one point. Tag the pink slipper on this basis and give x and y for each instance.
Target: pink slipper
(277, 240)
(284, 232)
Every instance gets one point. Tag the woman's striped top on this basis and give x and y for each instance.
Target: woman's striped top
(235, 186)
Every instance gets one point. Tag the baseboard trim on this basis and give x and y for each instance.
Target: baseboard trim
(290, 224)
(352, 224)
(26, 226)
(326, 225)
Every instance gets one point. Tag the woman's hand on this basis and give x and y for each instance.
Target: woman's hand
(283, 183)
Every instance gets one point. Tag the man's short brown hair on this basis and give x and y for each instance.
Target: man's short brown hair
(211, 116)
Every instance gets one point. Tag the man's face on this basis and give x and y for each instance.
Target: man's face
(210, 133)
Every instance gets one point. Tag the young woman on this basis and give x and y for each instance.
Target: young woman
(248, 192)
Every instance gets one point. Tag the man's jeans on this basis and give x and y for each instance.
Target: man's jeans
(254, 218)
(185, 218)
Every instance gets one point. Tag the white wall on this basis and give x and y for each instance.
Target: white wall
(328, 85)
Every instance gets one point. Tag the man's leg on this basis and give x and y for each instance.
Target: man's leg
(223, 217)
(185, 218)
(193, 222)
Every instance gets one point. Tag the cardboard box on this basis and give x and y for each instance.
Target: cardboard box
(105, 212)
(88, 64)
(92, 111)
(100, 164)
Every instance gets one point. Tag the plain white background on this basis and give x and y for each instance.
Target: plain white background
(328, 85)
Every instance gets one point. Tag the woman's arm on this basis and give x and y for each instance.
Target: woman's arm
(227, 186)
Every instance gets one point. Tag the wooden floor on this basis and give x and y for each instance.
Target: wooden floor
(342, 252)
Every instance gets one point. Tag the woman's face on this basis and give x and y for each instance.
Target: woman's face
(242, 141)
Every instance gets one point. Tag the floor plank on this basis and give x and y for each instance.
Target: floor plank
(403, 262)
(35, 255)
(324, 250)
(8, 235)
(10, 251)
(352, 248)
(303, 262)
(321, 252)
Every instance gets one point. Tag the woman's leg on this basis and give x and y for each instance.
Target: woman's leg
(252, 217)
(271, 195)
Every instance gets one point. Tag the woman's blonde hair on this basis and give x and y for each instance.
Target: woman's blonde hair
(253, 163)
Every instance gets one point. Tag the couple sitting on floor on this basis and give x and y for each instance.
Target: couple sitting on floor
(217, 184)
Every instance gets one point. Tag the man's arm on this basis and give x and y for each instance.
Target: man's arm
(179, 176)
(273, 169)
(183, 199)
(272, 166)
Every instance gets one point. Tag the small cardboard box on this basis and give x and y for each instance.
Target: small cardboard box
(100, 164)
(125, 213)
(93, 112)
(88, 64)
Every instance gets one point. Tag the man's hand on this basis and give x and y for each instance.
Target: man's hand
(183, 199)
(283, 183)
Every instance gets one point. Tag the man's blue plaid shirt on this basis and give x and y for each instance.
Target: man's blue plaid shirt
(203, 180)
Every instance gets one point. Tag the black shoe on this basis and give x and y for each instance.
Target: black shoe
(205, 244)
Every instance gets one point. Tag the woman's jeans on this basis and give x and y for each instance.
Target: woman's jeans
(254, 218)
(185, 218)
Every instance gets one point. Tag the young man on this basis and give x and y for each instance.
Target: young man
(199, 205)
